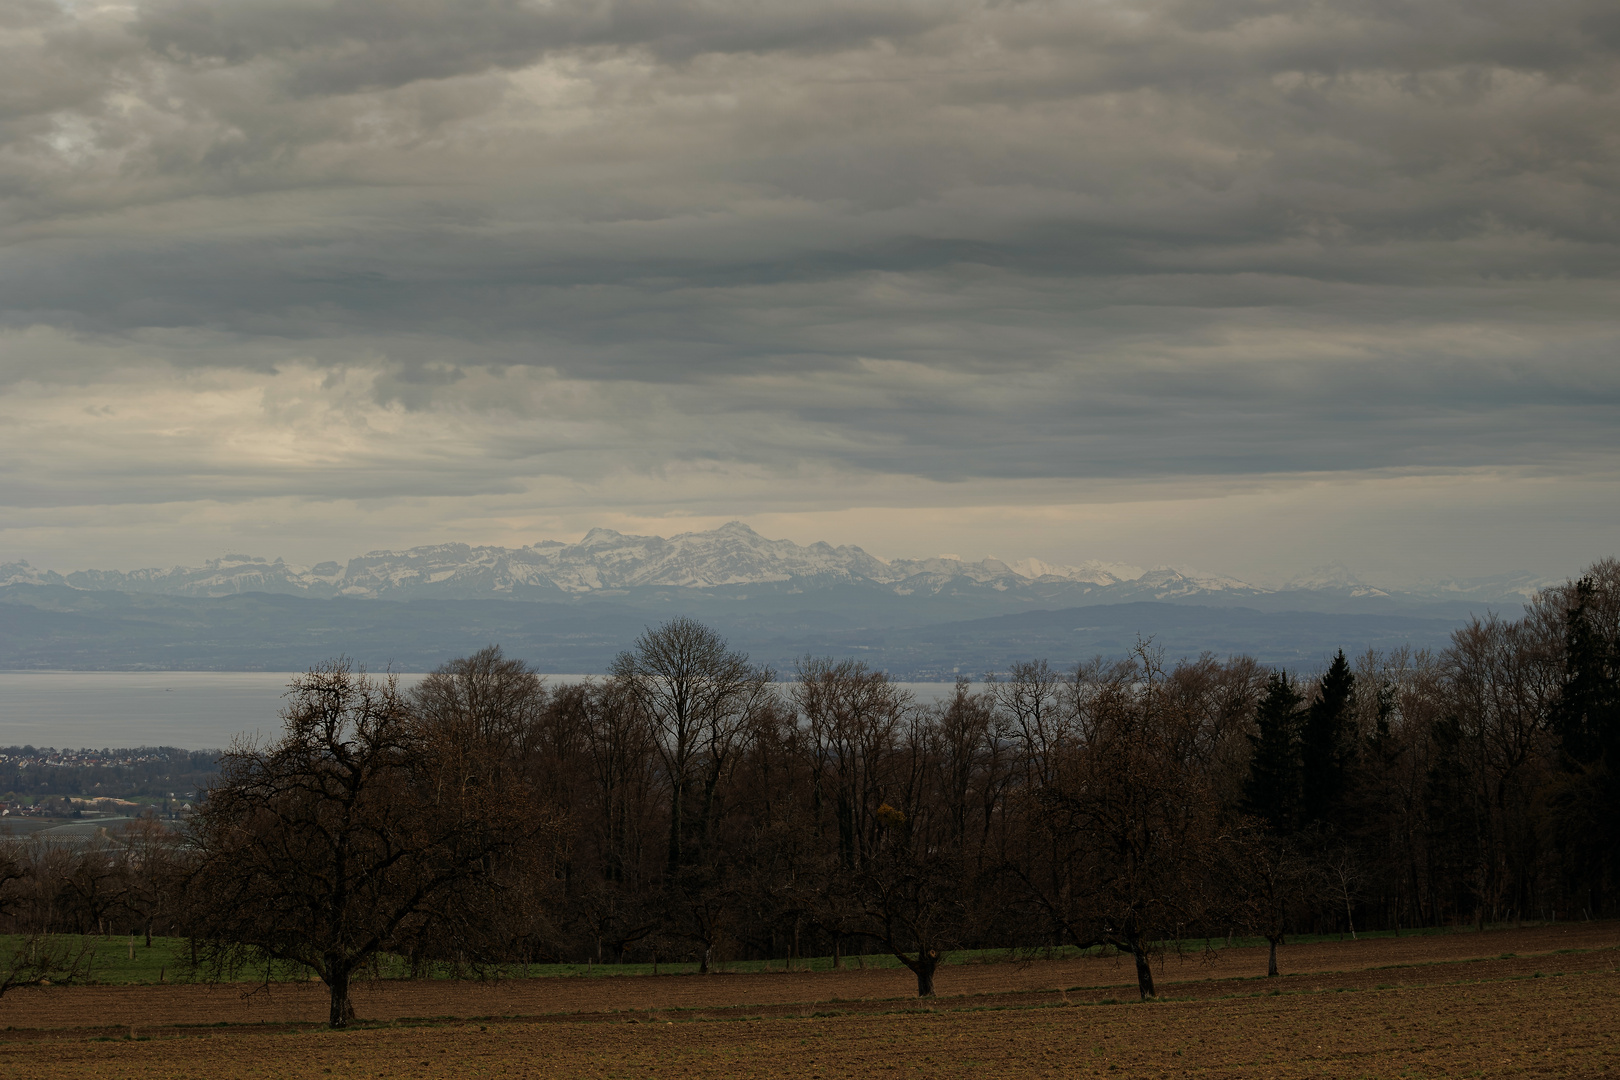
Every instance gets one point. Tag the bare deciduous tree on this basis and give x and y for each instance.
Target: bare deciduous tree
(1134, 830)
(1269, 881)
(699, 697)
(852, 717)
(362, 827)
(34, 955)
(912, 902)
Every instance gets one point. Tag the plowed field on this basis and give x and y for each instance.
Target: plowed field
(1431, 1006)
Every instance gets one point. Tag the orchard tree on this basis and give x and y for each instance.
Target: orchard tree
(1269, 880)
(366, 827)
(1132, 822)
(913, 902)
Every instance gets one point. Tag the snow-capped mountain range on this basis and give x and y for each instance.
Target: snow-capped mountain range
(605, 563)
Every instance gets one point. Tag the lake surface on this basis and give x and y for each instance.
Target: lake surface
(194, 710)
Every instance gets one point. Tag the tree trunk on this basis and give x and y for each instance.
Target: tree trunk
(927, 961)
(1144, 975)
(1271, 965)
(342, 1010)
(838, 954)
(676, 823)
(703, 961)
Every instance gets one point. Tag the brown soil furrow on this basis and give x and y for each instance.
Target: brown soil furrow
(1365, 965)
(1553, 1027)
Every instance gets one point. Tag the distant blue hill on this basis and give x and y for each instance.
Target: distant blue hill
(60, 627)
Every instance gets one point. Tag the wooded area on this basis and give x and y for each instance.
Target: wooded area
(691, 806)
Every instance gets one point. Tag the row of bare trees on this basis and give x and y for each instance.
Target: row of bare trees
(709, 813)
(692, 805)
(90, 886)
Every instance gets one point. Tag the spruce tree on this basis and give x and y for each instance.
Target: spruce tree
(1272, 791)
(1325, 746)
(1586, 715)
(1585, 804)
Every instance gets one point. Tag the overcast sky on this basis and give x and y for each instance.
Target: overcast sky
(1244, 285)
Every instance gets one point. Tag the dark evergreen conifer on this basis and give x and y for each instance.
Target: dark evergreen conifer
(1272, 791)
(1585, 804)
(1587, 713)
(1326, 746)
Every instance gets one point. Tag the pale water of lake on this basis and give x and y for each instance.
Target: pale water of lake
(194, 710)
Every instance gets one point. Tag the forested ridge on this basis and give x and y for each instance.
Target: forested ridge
(691, 805)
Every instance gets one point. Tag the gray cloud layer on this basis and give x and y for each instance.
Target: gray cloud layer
(492, 247)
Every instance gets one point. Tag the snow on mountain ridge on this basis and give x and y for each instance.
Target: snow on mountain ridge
(605, 561)
(1333, 578)
(1524, 586)
(20, 573)
(602, 560)
(1091, 571)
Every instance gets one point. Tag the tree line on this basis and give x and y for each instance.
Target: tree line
(691, 805)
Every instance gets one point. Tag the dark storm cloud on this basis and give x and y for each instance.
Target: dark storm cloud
(352, 45)
(960, 241)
